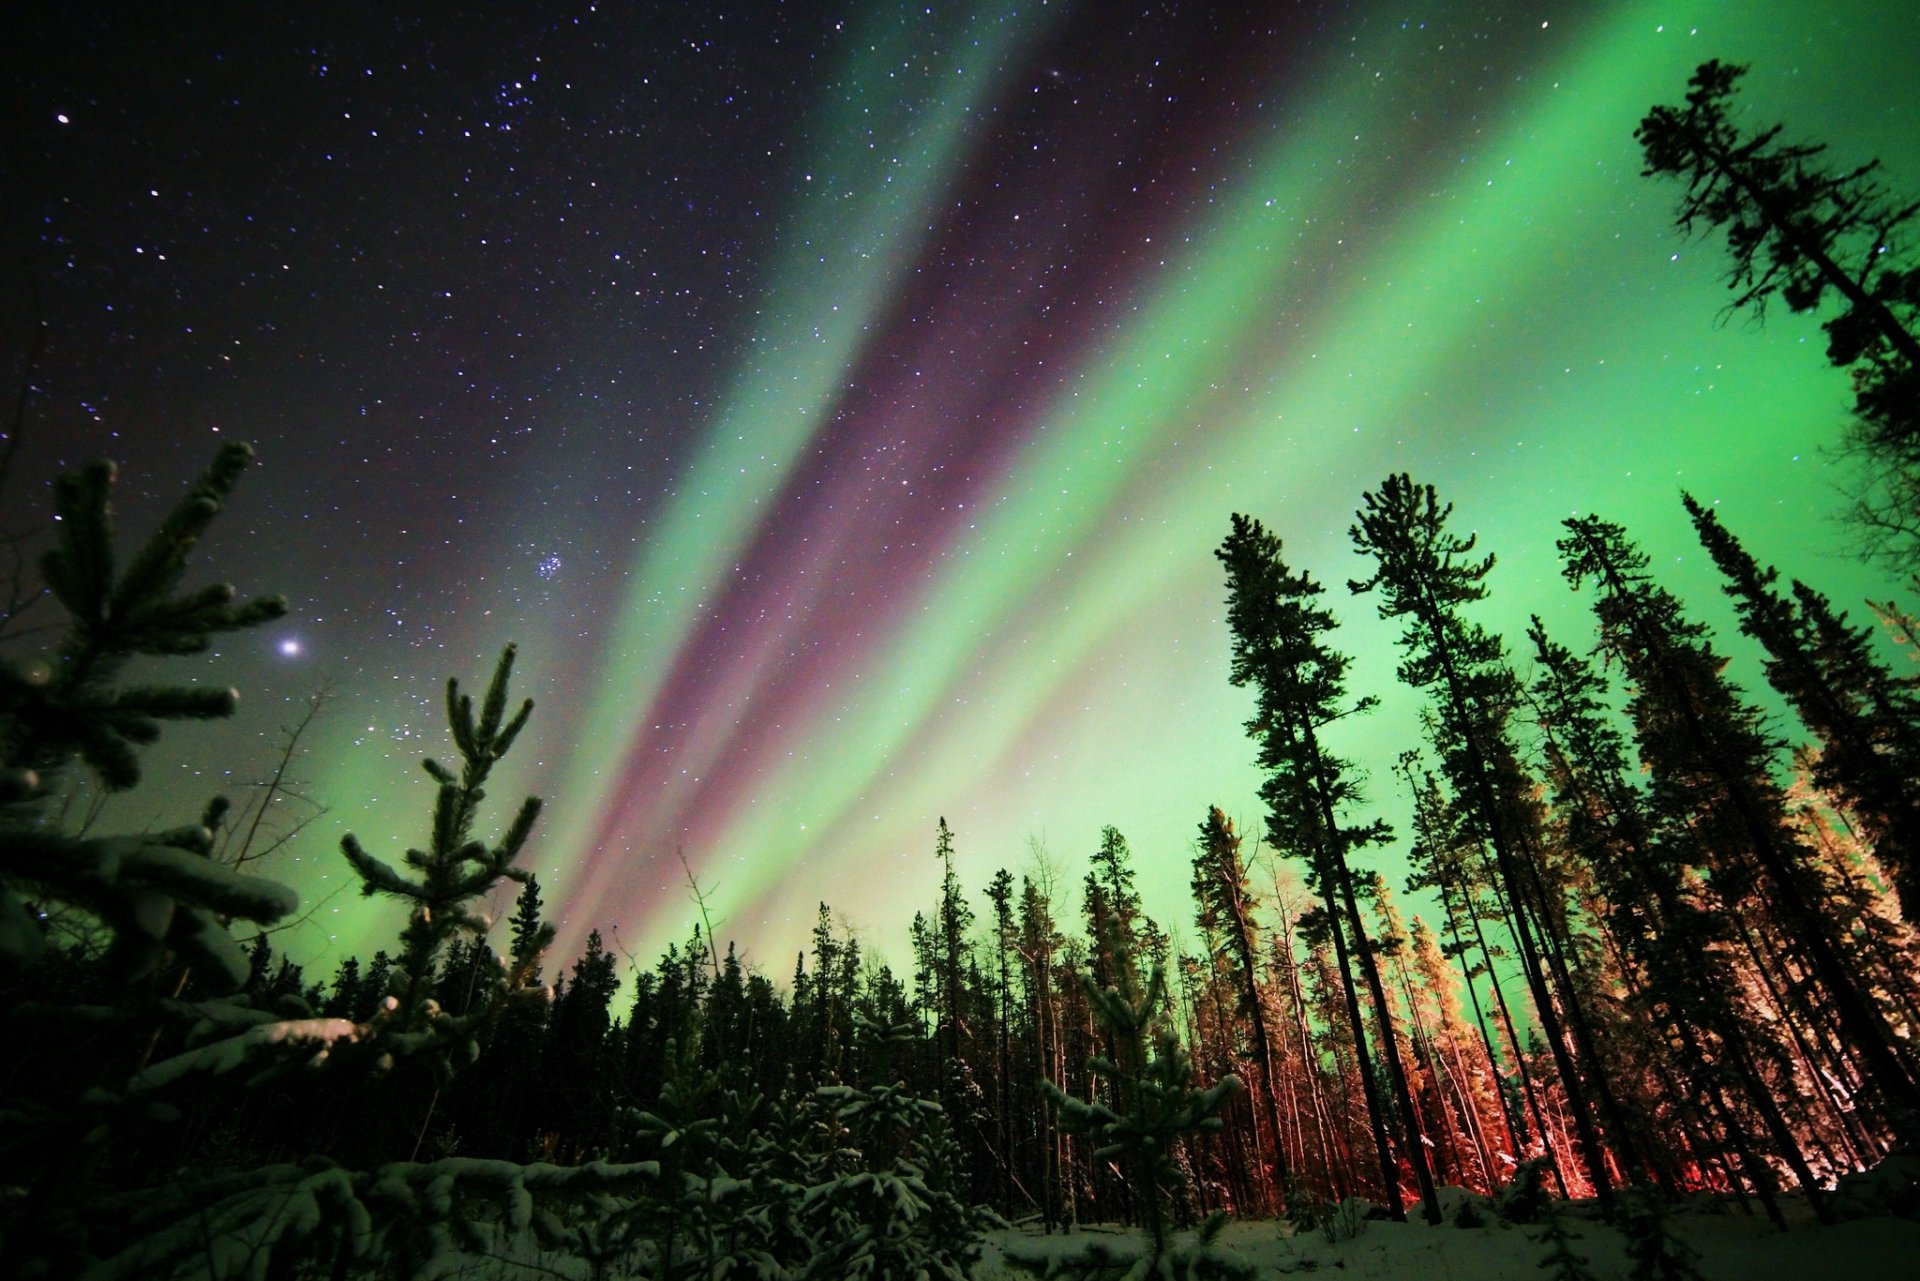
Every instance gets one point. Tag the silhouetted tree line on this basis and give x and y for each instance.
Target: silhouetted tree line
(1683, 946)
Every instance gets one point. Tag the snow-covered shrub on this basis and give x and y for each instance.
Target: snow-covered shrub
(1655, 1253)
(1890, 1187)
(1465, 1208)
(1524, 1197)
(1347, 1220)
(1153, 1104)
(892, 1203)
(1561, 1262)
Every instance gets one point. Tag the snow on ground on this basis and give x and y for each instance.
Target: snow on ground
(1731, 1246)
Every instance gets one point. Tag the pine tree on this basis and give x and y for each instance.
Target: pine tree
(1427, 575)
(1867, 719)
(680, 1229)
(260, 1056)
(528, 933)
(1680, 979)
(453, 871)
(1301, 684)
(154, 905)
(1153, 1104)
(1711, 766)
(343, 1002)
(727, 1029)
(954, 920)
(1001, 1106)
(829, 999)
(1798, 230)
(895, 1207)
(155, 893)
(1561, 1261)
(576, 1053)
(1119, 930)
(1227, 904)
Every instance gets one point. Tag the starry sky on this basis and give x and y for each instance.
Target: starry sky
(838, 403)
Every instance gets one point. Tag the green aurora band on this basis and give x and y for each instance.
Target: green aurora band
(1377, 275)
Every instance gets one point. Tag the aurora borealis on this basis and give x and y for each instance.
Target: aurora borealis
(839, 403)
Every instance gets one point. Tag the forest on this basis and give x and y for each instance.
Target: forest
(1663, 945)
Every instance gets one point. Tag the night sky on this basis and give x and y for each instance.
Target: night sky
(839, 403)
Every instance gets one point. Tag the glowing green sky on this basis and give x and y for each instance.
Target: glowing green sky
(1018, 303)
(1382, 273)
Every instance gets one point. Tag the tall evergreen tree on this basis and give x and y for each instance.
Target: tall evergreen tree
(1278, 648)
(1799, 230)
(1006, 938)
(1115, 923)
(1227, 904)
(577, 1063)
(830, 1001)
(528, 932)
(954, 920)
(1867, 719)
(1711, 764)
(1427, 575)
(1681, 979)
(959, 1030)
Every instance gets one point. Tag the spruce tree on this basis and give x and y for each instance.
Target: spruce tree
(1681, 979)
(1119, 930)
(1710, 761)
(453, 870)
(110, 921)
(1866, 718)
(1006, 938)
(1153, 1104)
(954, 918)
(1427, 575)
(576, 1053)
(155, 893)
(1278, 648)
(1796, 230)
(529, 935)
(162, 899)
(1227, 903)
(1799, 230)
(894, 1206)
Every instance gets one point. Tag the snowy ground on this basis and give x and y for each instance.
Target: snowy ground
(1732, 1247)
